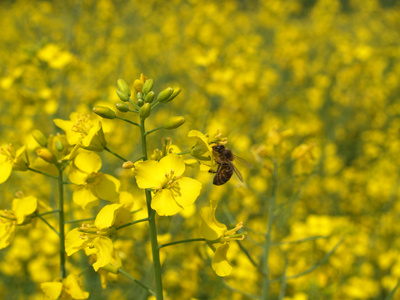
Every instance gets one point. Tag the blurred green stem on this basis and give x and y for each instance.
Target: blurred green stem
(61, 220)
(267, 245)
(152, 223)
(115, 154)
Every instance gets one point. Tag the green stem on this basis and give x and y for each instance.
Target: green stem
(115, 154)
(152, 223)
(267, 245)
(61, 221)
(42, 173)
(126, 274)
(155, 129)
(131, 223)
(128, 121)
(47, 213)
(181, 242)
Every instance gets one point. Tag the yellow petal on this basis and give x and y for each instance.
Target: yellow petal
(210, 228)
(51, 290)
(85, 197)
(186, 191)
(108, 188)
(73, 286)
(164, 204)
(104, 247)
(5, 168)
(21, 161)
(107, 215)
(173, 162)
(24, 207)
(87, 162)
(220, 263)
(76, 176)
(95, 140)
(74, 242)
(72, 136)
(150, 175)
(7, 233)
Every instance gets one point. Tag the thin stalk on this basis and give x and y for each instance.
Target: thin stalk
(61, 221)
(79, 220)
(128, 121)
(131, 223)
(115, 154)
(152, 224)
(184, 152)
(181, 242)
(267, 245)
(42, 173)
(47, 213)
(126, 274)
(155, 129)
(48, 224)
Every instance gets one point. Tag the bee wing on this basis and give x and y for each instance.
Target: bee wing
(243, 162)
(237, 172)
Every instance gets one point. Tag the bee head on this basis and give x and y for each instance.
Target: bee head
(219, 148)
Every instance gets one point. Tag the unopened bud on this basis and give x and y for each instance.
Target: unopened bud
(145, 111)
(122, 107)
(123, 87)
(147, 86)
(40, 138)
(139, 95)
(149, 97)
(174, 94)
(128, 165)
(174, 122)
(59, 146)
(104, 112)
(164, 95)
(46, 155)
(140, 102)
(122, 96)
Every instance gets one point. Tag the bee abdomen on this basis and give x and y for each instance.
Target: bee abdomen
(224, 174)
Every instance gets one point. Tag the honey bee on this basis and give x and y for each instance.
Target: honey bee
(226, 168)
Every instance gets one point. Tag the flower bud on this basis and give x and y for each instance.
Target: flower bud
(147, 86)
(174, 94)
(164, 95)
(104, 112)
(122, 96)
(140, 102)
(122, 107)
(174, 122)
(40, 138)
(139, 95)
(123, 87)
(149, 97)
(46, 155)
(59, 146)
(145, 111)
(128, 165)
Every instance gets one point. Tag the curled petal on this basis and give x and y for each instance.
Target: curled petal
(7, 233)
(104, 247)
(73, 285)
(220, 263)
(24, 207)
(210, 229)
(107, 215)
(51, 290)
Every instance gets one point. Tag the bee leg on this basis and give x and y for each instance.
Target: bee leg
(219, 167)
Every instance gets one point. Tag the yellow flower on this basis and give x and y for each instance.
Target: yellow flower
(218, 238)
(172, 191)
(91, 184)
(22, 209)
(53, 55)
(95, 239)
(12, 160)
(69, 288)
(83, 131)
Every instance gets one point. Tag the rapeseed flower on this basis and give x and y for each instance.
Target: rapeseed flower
(68, 288)
(218, 238)
(83, 131)
(95, 239)
(92, 185)
(12, 160)
(172, 192)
